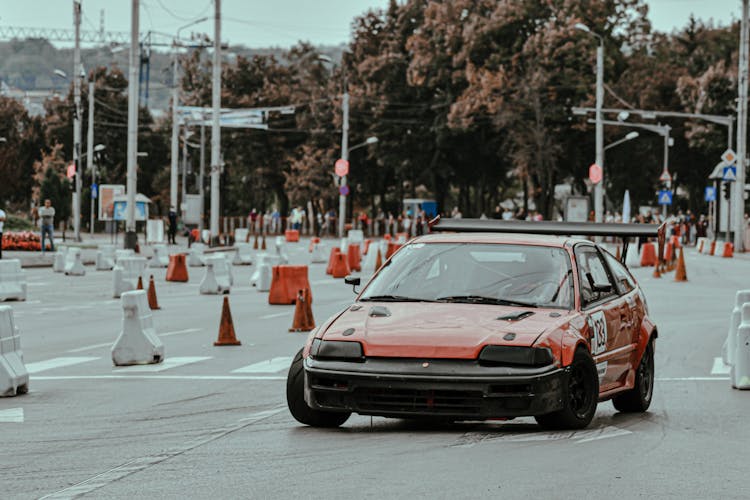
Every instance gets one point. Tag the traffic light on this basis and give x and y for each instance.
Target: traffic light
(726, 190)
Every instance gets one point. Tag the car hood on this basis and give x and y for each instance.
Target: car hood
(439, 330)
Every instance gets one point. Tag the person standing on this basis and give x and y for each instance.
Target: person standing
(2, 223)
(47, 215)
(172, 226)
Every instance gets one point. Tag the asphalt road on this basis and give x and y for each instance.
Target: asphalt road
(212, 421)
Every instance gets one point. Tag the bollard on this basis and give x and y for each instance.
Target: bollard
(243, 254)
(73, 264)
(14, 379)
(216, 279)
(740, 371)
(137, 343)
(196, 255)
(160, 257)
(105, 258)
(12, 280)
(730, 344)
(59, 264)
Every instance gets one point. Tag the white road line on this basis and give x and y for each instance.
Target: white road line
(326, 282)
(168, 363)
(158, 377)
(141, 463)
(12, 416)
(276, 315)
(178, 332)
(692, 379)
(49, 364)
(720, 368)
(268, 366)
(107, 344)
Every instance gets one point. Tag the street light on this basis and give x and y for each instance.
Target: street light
(599, 160)
(97, 149)
(368, 141)
(629, 137)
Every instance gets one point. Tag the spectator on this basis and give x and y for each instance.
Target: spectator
(2, 223)
(47, 214)
(172, 217)
(363, 222)
(456, 213)
(275, 221)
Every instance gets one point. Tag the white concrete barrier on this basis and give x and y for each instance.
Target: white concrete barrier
(319, 254)
(73, 264)
(344, 245)
(14, 379)
(740, 371)
(709, 246)
(261, 278)
(12, 280)
(280, 245)
(197, 255)
(729, 349)
(632, 259)
(58, 265)
(123, 254)
(216, 280)
(137, 343)
(243, 254)
(368, 263)
(105, 258)
(154, 231)
(126, 274)
(240, 235)
(160, 257)
(356, 237)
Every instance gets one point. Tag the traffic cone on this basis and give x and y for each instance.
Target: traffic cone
(263, 245)
(300, 321)
(657, 274)
(308, 304)
(152, 302)
(255, 245)
(681, 274)
(226, 327)
(379, 260)
(140, 284)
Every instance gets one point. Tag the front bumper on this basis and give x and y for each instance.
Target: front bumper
(456, 389)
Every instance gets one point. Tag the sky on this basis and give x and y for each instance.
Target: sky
(263, 23)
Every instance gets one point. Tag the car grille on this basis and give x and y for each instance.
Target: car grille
(457, 402)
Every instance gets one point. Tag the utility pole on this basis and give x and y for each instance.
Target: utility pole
(216, 127)
(201, 173)
(345, 156)
(131, 238)
(77, 120)
(739, 185)
(184, 162)
(175, 141)
(90, 154)
(599, 188)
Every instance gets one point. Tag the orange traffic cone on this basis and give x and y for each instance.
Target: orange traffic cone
(308, 303)
(226, 327)
(140, 284)
(152, 302)
(300, 322)
(263, 245)
(657, 273)
(379, 260)
(681, 274)
(255, 245)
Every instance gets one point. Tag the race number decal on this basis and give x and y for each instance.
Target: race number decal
(598, 329)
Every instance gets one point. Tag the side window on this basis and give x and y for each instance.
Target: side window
(625, 281)
(590, 264)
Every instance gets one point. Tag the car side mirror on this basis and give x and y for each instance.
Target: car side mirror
(353, 281)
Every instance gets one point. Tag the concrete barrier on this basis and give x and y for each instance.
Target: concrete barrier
(73, 264)
(123, 254)
(243, 254)
(105, 257)
(216, 279)
(632, 259)
(727, 251)
(281, 250)
(160, 257)
(137, 343)
(126, 273)
(58, 265)
(319, 255)
(14, 379)
(261, 278)
(196, 255)
(12, 280)
(241, 235)
(730, 344)
(286, 282)
(741, 369)
(154, 231)
(369, 263)
(356, 237)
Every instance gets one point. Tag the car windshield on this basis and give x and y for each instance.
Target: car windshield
(494, 273)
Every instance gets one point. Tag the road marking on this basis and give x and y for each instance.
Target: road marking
(720, 368)
(268, 366)
(168, 363)
(11, 415)
(326, 282)
(158, 377)
(276, 315)
(49, 364)
(107, 344)
(141, 463)
(690, 379)
(471, 439)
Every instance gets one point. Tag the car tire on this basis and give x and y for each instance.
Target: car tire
(638, 399)
(295, 400)
(580, 395)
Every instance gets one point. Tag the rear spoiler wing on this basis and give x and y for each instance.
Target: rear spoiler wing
(622, 231)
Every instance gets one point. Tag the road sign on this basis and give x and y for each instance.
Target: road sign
(595, 173)
(341, 167)
(730, 173)
(94, 191)
(710, 194)
(665, 177)
(344, 190)
(665, 197)
(729, 156)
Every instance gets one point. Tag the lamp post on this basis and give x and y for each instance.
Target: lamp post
(92, 169)
(599, 160)
(629, 137)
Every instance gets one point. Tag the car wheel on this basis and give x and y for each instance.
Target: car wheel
(638, 399)
(580, 396)
(295, 400)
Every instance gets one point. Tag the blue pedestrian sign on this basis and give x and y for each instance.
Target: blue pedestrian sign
(94, 191)
(665, 197)
(710, 194)
(730, 173)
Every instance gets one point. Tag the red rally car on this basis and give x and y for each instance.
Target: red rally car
(486, 319)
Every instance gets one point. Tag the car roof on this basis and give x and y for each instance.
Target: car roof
(502, 238)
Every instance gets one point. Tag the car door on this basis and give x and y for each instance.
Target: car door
(609, 331)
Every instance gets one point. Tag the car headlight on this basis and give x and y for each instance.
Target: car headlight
(337, 350)
(516, 356)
